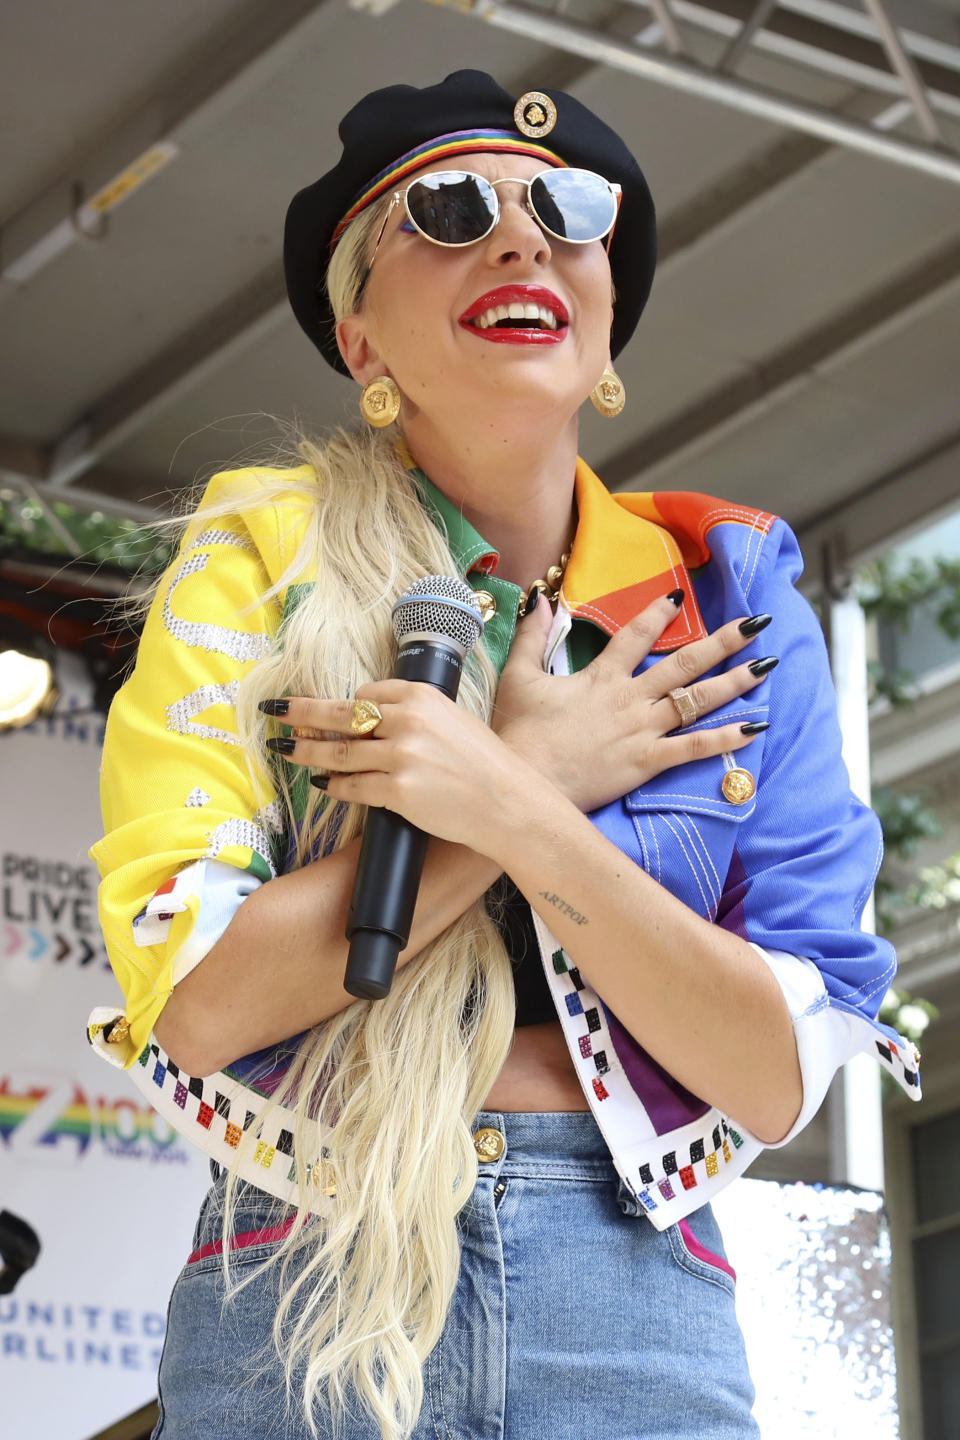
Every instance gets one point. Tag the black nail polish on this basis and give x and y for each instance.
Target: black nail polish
(284, 746)
(755, 624)
(755, 727)
(274, 707)
(676, 597)
(532, 600)
(320, 782)
(764, 666)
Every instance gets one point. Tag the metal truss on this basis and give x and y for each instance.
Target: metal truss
(876, 53)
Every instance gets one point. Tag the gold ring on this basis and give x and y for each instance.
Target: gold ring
(686, 709)
(305, 732)
(365, 718)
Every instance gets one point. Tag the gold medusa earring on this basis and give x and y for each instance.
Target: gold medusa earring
(608, 396)
(380, 401)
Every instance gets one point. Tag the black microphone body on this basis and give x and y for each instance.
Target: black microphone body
(393, 850)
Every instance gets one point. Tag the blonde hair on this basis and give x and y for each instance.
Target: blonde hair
(384, 1091)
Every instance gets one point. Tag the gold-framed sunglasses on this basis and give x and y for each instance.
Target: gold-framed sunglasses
(456, 207)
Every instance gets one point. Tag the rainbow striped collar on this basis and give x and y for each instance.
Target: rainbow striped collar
(628, 550)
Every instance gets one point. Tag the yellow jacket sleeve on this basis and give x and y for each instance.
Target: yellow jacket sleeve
(176, 785)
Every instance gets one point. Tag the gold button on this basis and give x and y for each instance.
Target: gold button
(321, 1174)
(488, 606)
(738, 786)
(119, 1031)
(489, 1144)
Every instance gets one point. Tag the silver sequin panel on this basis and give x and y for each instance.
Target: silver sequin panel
(180, 715)
(271, 817)
(239, 832)
(236, 644)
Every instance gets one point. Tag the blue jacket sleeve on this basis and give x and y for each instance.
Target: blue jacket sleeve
(806, 860)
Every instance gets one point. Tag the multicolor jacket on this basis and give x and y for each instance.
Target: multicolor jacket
(190, 834)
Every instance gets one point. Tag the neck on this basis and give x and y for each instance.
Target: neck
(516, 489)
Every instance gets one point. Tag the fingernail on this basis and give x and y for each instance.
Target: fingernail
(320, 782)
(676, 596)
(755, 624)
(284, 746)
(764, 666)
(274, 707)
(755, 727)
(531, 605)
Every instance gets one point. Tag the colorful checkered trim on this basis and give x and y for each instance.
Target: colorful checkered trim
(893, 1059)
(665, 1184)
(660, 1177)
(594, 1042)
(459, 142)
(215, 1111)
(675, 1168)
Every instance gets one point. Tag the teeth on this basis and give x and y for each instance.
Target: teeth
(517, 311)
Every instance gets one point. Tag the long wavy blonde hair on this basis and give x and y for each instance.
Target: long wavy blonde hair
(384, 1091)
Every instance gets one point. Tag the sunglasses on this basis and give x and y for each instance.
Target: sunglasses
(456, 207)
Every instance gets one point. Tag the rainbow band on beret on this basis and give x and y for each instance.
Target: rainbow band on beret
(459, 142)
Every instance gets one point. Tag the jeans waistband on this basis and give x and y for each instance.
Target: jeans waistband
(557, 1143)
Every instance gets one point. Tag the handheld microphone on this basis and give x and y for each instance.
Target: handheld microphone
(437, 622)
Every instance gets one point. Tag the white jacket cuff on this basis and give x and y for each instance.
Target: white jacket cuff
(826, 1037)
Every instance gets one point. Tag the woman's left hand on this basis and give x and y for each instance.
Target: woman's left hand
(429, 760)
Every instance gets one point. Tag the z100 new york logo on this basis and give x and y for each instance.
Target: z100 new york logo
(46, 1117)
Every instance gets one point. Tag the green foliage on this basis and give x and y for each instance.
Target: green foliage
(907, 820)
(892, 590)
(908, 1015)
(26, 525)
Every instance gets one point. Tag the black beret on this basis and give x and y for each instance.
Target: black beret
(386, 125)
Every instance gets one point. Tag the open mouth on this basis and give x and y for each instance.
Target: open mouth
(518, 311)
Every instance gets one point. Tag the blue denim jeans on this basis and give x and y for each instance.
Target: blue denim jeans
(570, 1317)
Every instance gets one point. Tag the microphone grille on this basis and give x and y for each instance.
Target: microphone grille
(441, 606)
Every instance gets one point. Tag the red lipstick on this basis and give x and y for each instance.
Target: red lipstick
(523, 331)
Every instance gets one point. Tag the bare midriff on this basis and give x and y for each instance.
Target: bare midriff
(538, 1073)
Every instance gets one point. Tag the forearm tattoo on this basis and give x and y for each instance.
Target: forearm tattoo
(563, 907)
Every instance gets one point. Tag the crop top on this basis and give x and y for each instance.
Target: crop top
(535, 1004)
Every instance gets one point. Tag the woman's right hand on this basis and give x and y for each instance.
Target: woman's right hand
(603, 732)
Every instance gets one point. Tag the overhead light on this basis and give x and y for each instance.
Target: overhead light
(26, 688)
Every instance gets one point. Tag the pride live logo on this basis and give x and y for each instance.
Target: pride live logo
(48, 913)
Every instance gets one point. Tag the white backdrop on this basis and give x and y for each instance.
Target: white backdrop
(111, 1191)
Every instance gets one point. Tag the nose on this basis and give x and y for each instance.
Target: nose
(517, 236)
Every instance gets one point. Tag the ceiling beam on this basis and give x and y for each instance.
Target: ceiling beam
(77, 207)
(734, 403)
(885, 511)
(240, 323)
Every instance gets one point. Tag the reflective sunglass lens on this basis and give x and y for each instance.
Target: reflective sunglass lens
(452, 207)
(574, 204)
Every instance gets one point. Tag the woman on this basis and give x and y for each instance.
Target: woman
(462, 1170)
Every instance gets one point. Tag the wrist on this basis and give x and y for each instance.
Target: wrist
(528, 811)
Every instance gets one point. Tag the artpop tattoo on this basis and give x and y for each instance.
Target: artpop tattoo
(563, 907)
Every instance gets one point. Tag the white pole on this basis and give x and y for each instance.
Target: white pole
(862, 1112)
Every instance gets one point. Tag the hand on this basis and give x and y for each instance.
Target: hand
(429, 760)
(603, 732)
